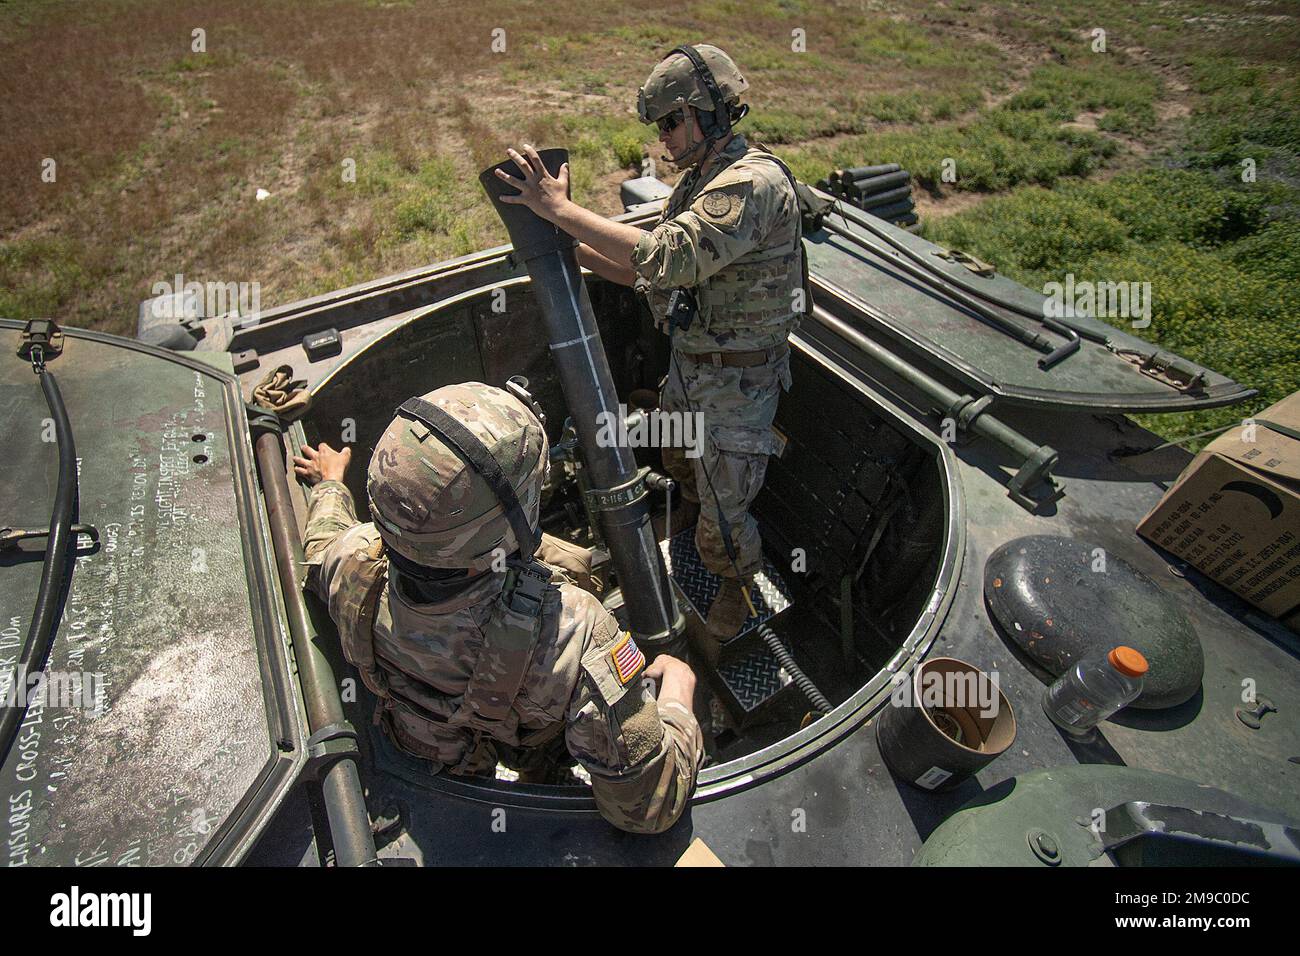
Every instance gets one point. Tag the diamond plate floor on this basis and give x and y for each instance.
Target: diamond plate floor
(750, 676)
(701, 586)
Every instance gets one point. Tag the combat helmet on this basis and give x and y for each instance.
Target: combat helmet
(456, 478)
(701, 76)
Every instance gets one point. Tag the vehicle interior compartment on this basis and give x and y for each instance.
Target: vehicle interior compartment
(852, 512)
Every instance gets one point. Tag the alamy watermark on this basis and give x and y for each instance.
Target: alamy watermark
(70, 690)
(1095, 300)
(75, 908)
(967, 690)
(650, 429)
(217, 298)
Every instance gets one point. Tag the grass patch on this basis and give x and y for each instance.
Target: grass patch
(998, 150)
(1091, 83)
(39, 277)
(1248, 117)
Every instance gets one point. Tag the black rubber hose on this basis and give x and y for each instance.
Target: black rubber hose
(802, 681)
(40, 634)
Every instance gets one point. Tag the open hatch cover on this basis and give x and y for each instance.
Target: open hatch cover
(185, 734)
(875, 290)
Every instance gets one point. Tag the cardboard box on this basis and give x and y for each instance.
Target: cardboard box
(698, 854)
(1234, 513)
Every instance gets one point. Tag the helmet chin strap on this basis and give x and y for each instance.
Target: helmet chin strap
(688, 115)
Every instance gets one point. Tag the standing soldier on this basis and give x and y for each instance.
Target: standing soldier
(730, 240)
(477, 650)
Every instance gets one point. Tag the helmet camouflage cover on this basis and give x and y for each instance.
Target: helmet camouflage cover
(430, 505)
(674, 83)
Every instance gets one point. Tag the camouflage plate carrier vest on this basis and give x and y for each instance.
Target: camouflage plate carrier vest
(754, 295)
(510, 632)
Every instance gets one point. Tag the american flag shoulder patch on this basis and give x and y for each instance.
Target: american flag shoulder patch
(627, 658)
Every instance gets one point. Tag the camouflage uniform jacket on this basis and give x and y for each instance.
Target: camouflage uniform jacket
(733, 235)
(642, 756)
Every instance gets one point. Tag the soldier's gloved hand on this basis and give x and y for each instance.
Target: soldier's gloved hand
(676, 680)
(322, 464)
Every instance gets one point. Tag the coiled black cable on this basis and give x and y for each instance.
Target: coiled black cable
(40, 635)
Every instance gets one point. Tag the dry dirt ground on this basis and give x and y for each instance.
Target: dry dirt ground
(159, 148)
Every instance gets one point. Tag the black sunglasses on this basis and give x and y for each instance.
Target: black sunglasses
(670, 122)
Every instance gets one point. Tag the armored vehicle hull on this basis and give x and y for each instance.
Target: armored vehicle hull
(920, 439)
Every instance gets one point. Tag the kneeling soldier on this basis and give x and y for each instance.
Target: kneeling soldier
(477, 650)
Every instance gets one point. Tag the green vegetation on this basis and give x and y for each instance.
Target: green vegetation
(997, 150)
(1121, 165)
(1091, 83)
(1031, 138)
(1244, 115)
(38, 277)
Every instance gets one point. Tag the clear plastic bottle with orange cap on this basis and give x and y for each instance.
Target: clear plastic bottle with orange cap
(1093, 689)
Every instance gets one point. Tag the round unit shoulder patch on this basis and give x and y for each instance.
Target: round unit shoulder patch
(717, 204)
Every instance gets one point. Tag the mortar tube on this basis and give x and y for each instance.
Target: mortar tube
(548, 253)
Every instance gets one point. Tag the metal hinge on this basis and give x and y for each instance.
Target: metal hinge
(41, 341)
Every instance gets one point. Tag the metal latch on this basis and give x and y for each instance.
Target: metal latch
(977, 266)
(1168, 368)
(43, 337)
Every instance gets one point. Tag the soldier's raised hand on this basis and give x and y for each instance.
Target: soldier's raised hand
(541, 192)
(321, 464)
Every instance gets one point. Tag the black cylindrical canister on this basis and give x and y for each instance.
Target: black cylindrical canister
(893, 210)
(862, 188)
(944, 725)
(855, 173)
(891, 196)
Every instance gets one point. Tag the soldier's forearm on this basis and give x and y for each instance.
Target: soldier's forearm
(605, 268)
(654, 798)
(684, 752)
(330, 512)
(613, 240)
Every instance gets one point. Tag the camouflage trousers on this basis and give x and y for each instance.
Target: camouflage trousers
(736, 408)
